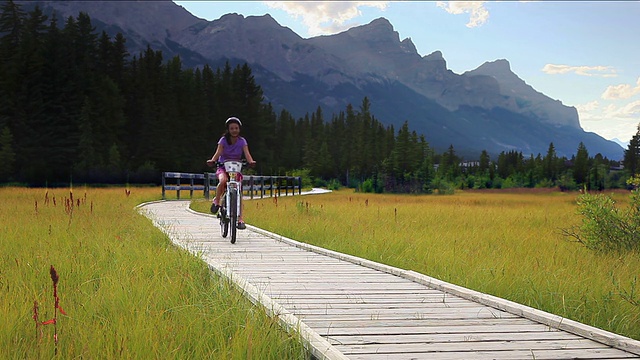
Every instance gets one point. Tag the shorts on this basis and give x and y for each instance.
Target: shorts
(222, 171)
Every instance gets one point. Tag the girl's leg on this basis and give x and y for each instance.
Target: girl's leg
(240, 218)
(222, 184)
(241, 224)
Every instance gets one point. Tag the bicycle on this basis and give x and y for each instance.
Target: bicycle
(230, 203)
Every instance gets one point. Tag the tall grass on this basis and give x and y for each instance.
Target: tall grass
(505, 244)
(126, 290)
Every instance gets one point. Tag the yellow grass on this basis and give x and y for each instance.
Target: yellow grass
(505, 244)
(127, 291)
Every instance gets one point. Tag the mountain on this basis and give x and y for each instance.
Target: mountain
(624, 144)
(488, 108)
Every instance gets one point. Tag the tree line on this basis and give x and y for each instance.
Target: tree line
(76, 106)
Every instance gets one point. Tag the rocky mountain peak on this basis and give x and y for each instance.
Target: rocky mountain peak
(249, 22)
(408, 46)
(435, 59)
(377, 35)
(500, 66)
(376, 28)
(526, 98)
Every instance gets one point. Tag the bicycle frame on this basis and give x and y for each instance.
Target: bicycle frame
(232, 199)
(234, 185)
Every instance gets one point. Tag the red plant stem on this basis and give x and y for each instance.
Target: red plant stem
(55, 278)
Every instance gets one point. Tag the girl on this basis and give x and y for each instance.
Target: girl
(231, 146)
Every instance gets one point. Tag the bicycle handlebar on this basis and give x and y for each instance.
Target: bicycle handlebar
(243, 161)
(221, 163)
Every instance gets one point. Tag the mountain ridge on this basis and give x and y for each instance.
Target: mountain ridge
(370, 60)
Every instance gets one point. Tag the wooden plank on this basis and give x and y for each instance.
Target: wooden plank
(343, 322)
(417, 329)
(415, 313)
(449, 337)
(472, 346)
(556, 354)
(368, 299)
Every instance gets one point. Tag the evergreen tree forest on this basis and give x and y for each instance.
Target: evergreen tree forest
(75, 106)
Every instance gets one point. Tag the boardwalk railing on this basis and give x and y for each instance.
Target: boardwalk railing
(252, 186)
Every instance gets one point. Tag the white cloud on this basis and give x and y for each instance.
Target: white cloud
(601, 71)
(588, 107)
(325, 17)
(628, 111)
(622, 91)
(593, 111)
(610, 120)
(479, 14)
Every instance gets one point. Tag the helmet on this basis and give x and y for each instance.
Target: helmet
(233, 119)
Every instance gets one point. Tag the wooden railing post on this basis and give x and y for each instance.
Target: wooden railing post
(271, 186)
(206, 185)
(251, 186)
(164, 183)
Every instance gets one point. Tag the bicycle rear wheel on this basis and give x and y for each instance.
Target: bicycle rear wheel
(233, 214)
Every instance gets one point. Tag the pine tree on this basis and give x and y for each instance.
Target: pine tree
(581, 165)
(631, 159)
(12, 18)
(485, 160)
(550, 164)
(7, 155)
(449, 165)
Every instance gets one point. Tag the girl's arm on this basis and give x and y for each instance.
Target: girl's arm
(216, 156)
(247, 154)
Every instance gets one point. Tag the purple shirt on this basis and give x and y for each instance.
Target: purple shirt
(232, 152)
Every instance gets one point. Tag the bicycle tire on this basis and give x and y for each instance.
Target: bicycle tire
(233, 215)
(224, 224)
(222, 215)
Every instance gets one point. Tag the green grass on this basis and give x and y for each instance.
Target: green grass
(127, 291)
(505, 244)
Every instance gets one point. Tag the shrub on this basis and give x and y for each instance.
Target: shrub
(605, 226)
(334, 184)
(307, 180)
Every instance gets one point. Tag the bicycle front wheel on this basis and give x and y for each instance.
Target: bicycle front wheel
(233, 214)
(224, 223)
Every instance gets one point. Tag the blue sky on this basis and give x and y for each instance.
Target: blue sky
(582, 53)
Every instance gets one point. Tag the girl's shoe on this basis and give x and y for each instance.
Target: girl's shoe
(241, 225)
(214, 208)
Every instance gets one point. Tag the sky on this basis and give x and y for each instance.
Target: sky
(584, 54)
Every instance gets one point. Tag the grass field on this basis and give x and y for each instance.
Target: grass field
(507, 244)
(127, 292)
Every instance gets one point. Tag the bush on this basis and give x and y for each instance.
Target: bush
(367, 186)
(443, 187)
(307, 180)
(334, 184)
(605, 227)
(371, 186)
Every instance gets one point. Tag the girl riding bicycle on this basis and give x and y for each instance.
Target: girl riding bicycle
(231, 146)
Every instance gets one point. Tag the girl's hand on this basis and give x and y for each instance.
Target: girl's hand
(210, 163)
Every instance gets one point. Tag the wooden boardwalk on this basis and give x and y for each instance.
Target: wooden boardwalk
(350, 308)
